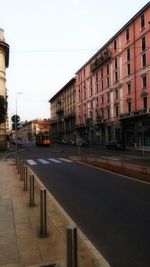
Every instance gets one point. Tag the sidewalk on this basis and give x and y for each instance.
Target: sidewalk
(20, 242)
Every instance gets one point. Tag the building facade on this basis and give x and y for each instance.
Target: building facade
(113, 87)
(29, 129)
(62, 107)
(4, 62)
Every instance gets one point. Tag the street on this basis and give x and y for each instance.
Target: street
(111, 210)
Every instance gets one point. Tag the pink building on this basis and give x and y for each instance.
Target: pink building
(113, 87)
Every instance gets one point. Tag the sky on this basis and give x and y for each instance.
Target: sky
(49, 41)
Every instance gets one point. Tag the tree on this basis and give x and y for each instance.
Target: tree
(3, 109)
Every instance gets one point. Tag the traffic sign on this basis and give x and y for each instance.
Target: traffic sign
(15, 118)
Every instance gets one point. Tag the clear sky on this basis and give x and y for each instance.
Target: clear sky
(50, 40)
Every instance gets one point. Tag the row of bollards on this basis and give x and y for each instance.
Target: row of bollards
(71, 233)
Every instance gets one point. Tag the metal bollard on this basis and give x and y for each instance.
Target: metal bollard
(19, 165)
(22, 171)
(25, 178)
(43, 215)
(31, 202)
(72, 246)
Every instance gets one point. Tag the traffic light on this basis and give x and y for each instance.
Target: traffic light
(15, 126)
(3, 109)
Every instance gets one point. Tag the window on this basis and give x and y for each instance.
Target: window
(102, 99)
(116, 94)
(145, 102)
(144, 60)
(127, 34)
(96, 87)
(129, 88)
(102, 84)
(107, 69)
(116, 63)
(97, 82)
(101, 73)
(96, 101)
(96, 76)
(128, 54)
(142, 20)
(129, 106)
(116, 111)
(143, 44)
(116, 76)
(91, 89)
(128, 69)
(108, 97)
(108, 113)
(84, 72)
(84, 93)
(108, 81)
(115, 45)
(79, 93)
(144, 82)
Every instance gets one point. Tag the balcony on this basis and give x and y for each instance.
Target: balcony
(135, 113)
(59, 110)
(69, 116)
(104, 57)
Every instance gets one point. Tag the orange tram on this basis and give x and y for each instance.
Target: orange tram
(43, 139)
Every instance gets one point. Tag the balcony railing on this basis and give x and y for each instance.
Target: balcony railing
(104, 57)
(135, 113)
(59, 109)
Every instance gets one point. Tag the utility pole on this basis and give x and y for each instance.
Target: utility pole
(4, 62)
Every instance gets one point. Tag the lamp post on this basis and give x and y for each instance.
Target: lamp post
(19, 93)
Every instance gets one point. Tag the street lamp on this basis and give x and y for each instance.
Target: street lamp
(19, 93)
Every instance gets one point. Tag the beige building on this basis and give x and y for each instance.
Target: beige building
(4, 61)
(29, 129)
(62, 106)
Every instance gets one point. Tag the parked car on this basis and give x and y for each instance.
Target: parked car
(116, 145)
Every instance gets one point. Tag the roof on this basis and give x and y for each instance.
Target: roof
(114, 37)
(63, 88)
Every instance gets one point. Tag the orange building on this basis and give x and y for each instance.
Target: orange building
(113, 87)
(29, 129)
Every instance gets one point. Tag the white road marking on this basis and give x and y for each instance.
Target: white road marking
(66, 160)
(31, 162)
(43, 161)
(54, 160)
(113, 158)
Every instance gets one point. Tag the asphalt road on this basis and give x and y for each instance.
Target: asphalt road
(112, 211)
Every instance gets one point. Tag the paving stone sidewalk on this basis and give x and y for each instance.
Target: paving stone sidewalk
(20, 241)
